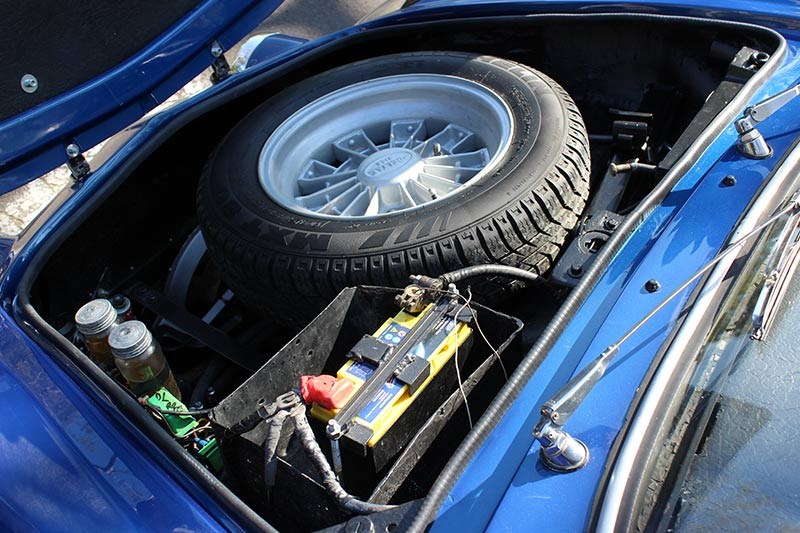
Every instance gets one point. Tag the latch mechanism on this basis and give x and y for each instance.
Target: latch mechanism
(220, 68)
(751, 143)
(76, 163)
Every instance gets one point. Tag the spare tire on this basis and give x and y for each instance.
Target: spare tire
(417, 163)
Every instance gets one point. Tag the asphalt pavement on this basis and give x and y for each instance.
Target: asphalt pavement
(302, 18)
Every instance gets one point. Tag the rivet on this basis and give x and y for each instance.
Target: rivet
(73, 150)
(29, 83)
(652, 285)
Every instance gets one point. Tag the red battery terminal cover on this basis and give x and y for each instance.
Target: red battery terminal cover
(328, 392)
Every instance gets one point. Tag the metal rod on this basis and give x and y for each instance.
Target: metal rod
(734, 246)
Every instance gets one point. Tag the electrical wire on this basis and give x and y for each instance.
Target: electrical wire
(194, 412)
(478, 326)
(483, 335)
(458, 369)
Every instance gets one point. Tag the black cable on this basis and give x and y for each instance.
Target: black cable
(211, 372)
(344, 499)
(490, 270)
(196, 412)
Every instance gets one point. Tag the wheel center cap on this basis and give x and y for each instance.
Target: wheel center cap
(392, 165)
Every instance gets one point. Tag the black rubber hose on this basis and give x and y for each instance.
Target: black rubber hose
(490, 270)
(205, 380)
(344, 499)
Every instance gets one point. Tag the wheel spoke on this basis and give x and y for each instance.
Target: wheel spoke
(316, 200)
(458, 176)
(476, 159)
(308, 185)
(406, 133)
(443, 142)
(359, 204)
(407, 198)
(440, 185)
(354, 146)
(420, 192)
(374, 206)
(340, 202)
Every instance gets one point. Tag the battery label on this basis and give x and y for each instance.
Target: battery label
(392, 335)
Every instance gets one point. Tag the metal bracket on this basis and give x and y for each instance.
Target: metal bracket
(77, 164)
(778, 280)
(220, 67)
(751, 143)
(578, 257)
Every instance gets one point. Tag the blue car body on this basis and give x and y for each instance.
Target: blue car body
(70, 458)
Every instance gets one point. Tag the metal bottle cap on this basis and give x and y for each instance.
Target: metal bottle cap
(95, 317)
(129, 339)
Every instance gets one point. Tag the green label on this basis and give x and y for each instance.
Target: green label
(180, 425)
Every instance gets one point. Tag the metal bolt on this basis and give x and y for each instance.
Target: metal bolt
(729, 180)
(29, 83)
(611, 223)
(216, 49)
(759, 58)
(575, 271)
(652, 285)
(359, 524)
(73, 150)
(619, 168)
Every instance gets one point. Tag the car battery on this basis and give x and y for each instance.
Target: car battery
(428, 358)
(321, 349)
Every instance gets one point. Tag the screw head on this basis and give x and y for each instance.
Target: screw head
(359, 524)
(29, 83)
(759, 58)
(216, 50)
(575, 271)
(729, 180)
(611, 223)
(73, 150)
(652, 285)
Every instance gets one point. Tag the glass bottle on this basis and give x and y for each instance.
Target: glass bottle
(95, 321)
(141, 361)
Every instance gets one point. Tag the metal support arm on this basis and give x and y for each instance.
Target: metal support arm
(751, 143)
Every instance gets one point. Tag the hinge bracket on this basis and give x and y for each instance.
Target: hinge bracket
(76, 163)
(221, 69)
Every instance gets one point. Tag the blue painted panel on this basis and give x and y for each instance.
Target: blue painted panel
(505, 485)
(33, 143)
(64, 464)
